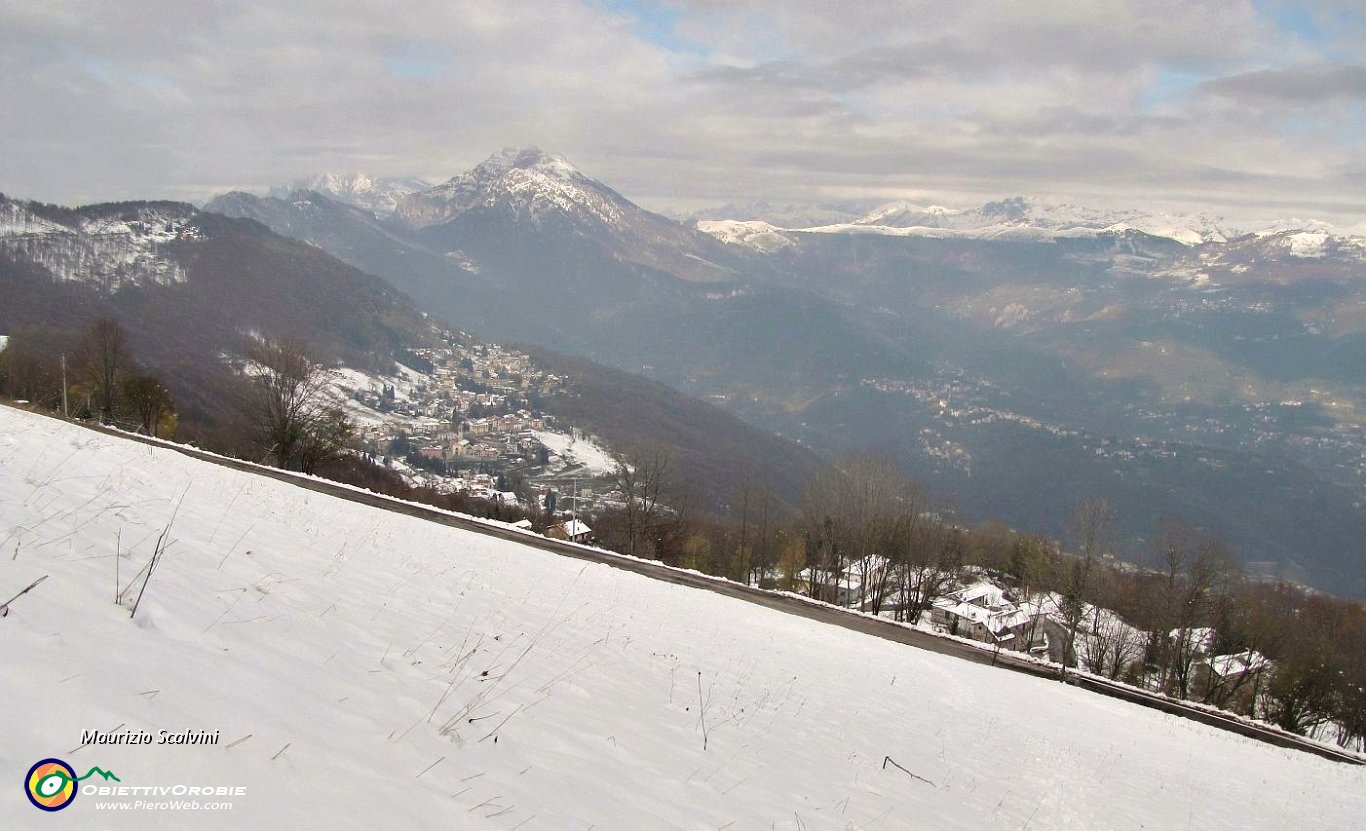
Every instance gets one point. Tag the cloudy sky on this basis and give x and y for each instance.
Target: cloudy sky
(1244, 107)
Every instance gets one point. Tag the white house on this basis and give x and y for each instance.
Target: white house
(1232, 667)
(982, 612)
(573, 530)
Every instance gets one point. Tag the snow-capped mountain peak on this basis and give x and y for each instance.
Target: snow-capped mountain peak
(529, 158)
(523, 194)
(907, 215)
(1295, 225)
(375, 194)
(526, 180)
(756, 234)
(1015, 216)
(489, 172)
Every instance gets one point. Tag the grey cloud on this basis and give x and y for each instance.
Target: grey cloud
(789, 100)
(858, 70)
(1308, 84)
(768, 74)
(1068, 120)
(1084, 34)
(1000, 161)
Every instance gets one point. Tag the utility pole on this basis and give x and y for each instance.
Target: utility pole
(66, 413)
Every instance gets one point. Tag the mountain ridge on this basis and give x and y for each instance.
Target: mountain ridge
(378, 195)
(1118, 346)
(237, 281)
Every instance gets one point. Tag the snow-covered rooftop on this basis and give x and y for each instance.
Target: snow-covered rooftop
(1226, 666)
(575, 528)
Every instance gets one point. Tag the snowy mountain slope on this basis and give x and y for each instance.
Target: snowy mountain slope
(356, 236)
(377, 195)
(538, 181)
(579, 451)
(525, 197)
(1310, 241)
(1019, 218)
(17, 220)
(755, 234)
(371, 670)
(782, 215)
(109, 245)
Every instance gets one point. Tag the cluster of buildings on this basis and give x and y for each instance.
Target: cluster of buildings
(982, 611)
(461, 418)
(975, 607)
(456, 406)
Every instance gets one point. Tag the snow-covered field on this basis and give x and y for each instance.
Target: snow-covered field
(756, 234)
(595, 459)
(369, 670)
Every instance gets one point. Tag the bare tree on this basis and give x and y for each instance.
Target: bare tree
(992, 546)
(1209, 573)
(642, 478)
(824, 557)
(289, 410)
(1261, 620)
(1093, 530)
(1304, 685)
(1196, 574)
(791, 560)
(150, 402)
(754, 556)
(104, 359)
(326, 439)
(1109, 645)
(29, 370)
(763, 560)
(1350, 703)
(928, 555)
(867, 505)
(1032, 564)
(742, 564)
(822, 534)
(672, 522)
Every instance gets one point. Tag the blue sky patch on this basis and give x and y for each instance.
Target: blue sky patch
(1170, 86)
(656, 23)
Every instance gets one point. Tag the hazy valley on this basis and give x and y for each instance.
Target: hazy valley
(1019, 356)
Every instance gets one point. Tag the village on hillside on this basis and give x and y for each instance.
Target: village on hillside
(977, 605)
(463, 418)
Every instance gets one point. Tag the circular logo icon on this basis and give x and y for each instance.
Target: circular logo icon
(50, 785)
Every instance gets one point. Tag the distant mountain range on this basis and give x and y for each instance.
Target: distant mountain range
(1017, 218)
(196, 288)
(782, 214)
(191, 287)
(1021, 357)
(377, 195)
(522, 245)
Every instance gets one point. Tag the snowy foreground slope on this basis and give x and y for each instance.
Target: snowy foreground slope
(392, 673)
